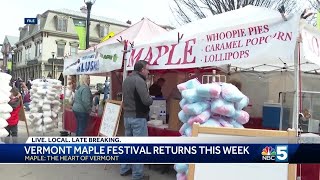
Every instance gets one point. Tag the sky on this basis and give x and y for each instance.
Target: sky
(12, 14)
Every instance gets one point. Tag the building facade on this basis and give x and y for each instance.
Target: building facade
(42, 47)
(7, 49)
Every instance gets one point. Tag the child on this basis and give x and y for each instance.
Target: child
(12, 127)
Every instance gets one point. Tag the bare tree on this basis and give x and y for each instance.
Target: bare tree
(188, 10)
(314, 6)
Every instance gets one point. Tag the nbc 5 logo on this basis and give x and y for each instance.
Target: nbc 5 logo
(282, 153)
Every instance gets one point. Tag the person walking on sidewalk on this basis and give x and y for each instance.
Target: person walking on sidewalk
(136, 103)
(13, 121)
(82, 105)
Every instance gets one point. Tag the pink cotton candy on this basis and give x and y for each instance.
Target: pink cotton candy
(242, 104)
(201, 118)
(196, 108)
(211, 123)
(181, 168)
(222, 107)
(183, 102)
(236, 124)
(181, 87)
(191, 95)
(188, 132)
(231, 93)
(183, 117)
(241, 117)
(181, 176)
(225, 123)
(211, 90)
(183, 128)
(188, 85)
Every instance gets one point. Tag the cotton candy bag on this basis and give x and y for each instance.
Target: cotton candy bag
(211, 123)
(231, 93)
(201, 118)
(196, 108)
(241, 117)
(181, 168)
(242, 103)
(188, 85)
(191, 96)
(211, 90)
(222, 107)
(183, 117)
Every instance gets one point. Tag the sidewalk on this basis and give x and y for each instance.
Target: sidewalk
(70, 172)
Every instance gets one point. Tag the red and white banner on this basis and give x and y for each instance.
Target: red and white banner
(246, 45)
(311, 43)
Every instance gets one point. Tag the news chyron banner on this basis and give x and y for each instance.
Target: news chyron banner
(163, 150)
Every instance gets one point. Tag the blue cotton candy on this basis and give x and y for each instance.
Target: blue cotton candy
(188, 84)
(211, 123)
(242, 104)
(181, 168)
(211, 90)
(236, 124)
(188, 132)
(222, 107)
(231, 93)
(183, 102)
(183, 117)
(191, 95)
(196, 108)
(183, 128)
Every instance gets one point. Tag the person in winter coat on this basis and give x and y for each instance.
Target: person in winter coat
(26, 97)
(82, 105)
(13, 121)
(136, 106)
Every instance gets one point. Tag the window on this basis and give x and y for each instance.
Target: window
(40, 48)
(73, 50)
(18, 56)
(36, 50)
(60, 47)
(104, 30)
(60, 50)
(26, 54)
(73, 47)
(29, 53)
(62, 24)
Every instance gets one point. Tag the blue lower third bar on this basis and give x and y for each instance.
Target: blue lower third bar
(159, 153)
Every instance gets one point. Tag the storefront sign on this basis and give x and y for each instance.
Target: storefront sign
(105, 59)
(245, 44)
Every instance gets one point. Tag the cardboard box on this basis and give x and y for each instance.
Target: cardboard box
(174, 122)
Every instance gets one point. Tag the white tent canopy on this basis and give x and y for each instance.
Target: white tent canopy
(250, 38)
(107, 56)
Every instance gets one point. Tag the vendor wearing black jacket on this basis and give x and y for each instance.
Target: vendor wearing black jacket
(136, 102)
(156, 88)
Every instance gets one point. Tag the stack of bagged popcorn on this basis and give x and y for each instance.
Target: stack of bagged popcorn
(211, 105)
(5, 108)
(45, 104)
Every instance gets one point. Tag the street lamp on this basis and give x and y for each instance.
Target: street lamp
(52, 74)
(12, 61)
(89, 4)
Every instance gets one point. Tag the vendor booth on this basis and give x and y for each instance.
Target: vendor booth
(105, 59)
(254, 45)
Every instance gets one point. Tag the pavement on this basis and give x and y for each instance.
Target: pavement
(69, 171)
